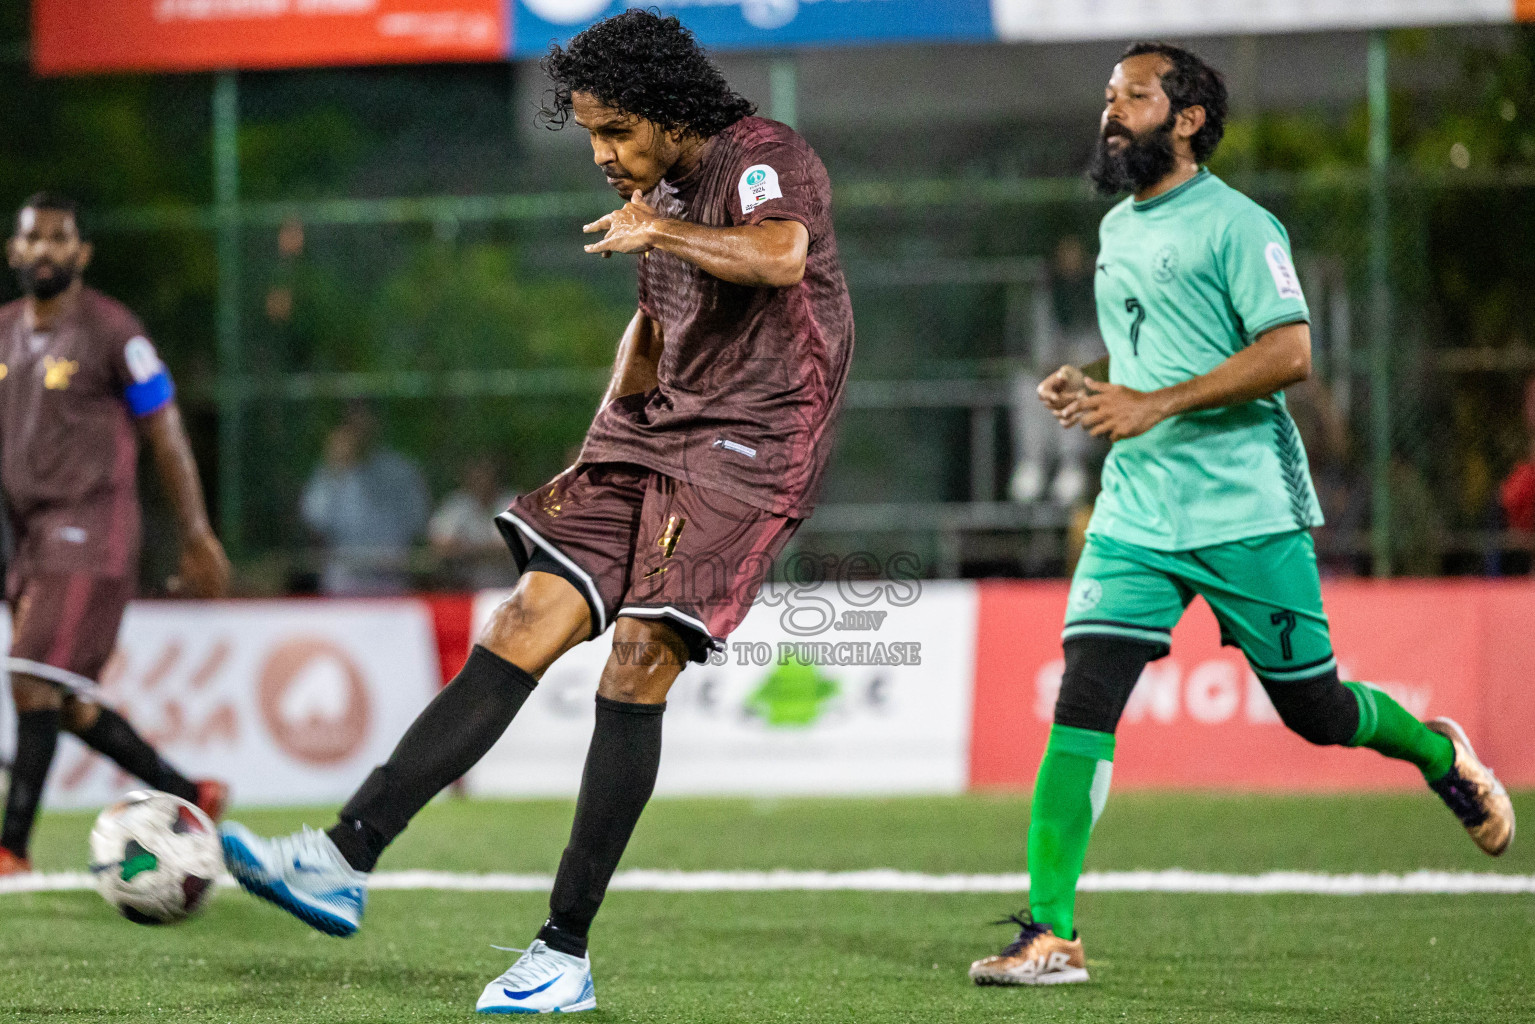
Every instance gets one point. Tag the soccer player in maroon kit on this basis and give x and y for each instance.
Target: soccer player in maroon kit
(703, 459)
(80, 383)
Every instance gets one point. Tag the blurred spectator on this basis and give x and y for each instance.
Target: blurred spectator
(1065, 331)
(1517, 495)
(367, 504)
(463, 530)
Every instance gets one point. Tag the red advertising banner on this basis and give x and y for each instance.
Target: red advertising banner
(1200, 718)
(85, 36)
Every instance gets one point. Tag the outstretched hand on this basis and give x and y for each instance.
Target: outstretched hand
(627, 228)
(1117, 412)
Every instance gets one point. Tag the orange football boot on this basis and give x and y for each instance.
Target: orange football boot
(212, 798)
(10, 864)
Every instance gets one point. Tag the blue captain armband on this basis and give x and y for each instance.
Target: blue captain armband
(150, 396)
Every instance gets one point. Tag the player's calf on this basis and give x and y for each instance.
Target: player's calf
(1327, 711)
(110, 734)
(1320, 710)
(37, 737)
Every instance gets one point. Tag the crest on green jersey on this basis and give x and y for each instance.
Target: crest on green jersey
(1085, 595)
(1164, 265)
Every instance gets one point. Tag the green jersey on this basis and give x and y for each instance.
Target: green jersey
(1184, 282)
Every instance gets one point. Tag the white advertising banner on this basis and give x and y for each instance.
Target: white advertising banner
(1050, 20)
(863, 688)
(290, 702)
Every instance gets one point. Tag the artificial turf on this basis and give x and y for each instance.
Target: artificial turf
(829, 956)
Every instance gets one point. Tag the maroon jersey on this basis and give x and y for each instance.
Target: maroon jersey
(750, 378)
(68, 447)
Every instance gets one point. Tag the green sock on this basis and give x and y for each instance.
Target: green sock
(1069, 794)
(1386, 726)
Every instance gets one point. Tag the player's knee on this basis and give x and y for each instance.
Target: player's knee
(35, 695)
(1100, 673)
(78, 715)
(543, 619)
(1320, 711)
(632, 685)
(640, 684)
(647, 656)
(514, 615)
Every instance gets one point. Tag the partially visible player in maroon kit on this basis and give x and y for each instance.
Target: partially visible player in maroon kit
(80, 384)
(704, 458)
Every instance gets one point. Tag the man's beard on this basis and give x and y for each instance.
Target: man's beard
(1141, 162)
(63, 276)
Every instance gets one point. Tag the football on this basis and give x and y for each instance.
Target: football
(154, 857)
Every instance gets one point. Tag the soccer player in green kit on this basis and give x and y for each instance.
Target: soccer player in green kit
(1206, 491)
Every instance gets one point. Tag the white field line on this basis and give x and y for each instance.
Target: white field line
(884, 880)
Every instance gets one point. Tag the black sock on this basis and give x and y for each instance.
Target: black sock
(456, 729)
(620, 773)
(37, 736)
(114, 737)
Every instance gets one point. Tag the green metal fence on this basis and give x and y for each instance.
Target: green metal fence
(433, 307)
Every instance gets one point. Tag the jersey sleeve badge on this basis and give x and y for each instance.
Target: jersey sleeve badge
(758, 184)
(1285, 281)
(142, 359)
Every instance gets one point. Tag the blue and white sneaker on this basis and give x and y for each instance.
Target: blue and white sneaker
(303, 873)
(543, 980)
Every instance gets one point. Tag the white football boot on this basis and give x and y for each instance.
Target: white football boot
(543, 980)
(303, 873)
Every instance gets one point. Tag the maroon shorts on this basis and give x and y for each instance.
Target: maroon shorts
(64, 626)
(643, 544)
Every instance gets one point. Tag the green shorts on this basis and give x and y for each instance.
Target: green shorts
(1264, 592)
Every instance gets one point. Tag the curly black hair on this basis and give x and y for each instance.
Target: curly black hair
(648, 66)
(1190, 82)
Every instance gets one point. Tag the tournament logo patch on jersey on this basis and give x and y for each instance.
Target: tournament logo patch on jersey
(1285, 280)
(142, 359)
(758, 184)
(1164, 265)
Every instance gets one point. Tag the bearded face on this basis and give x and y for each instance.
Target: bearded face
(46, 253)
(43, 278)
(1128, 162)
